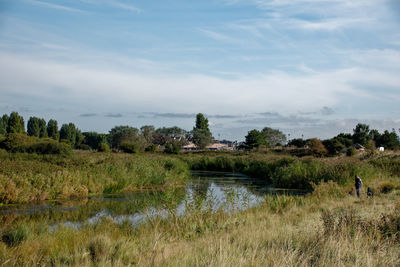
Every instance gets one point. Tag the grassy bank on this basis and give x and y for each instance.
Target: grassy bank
(301, 173)
(326, 228)
(29, 177)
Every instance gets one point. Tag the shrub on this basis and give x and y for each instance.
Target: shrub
(103, 147)
(151, 148)
(84, 147)
(49, 146)
(17, 142)
(350, 152)
(386, 187)
(172, 148)
(128, 147)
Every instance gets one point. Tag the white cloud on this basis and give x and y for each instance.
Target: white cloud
(54, 6)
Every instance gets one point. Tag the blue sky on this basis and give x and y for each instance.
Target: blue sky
(311, 68)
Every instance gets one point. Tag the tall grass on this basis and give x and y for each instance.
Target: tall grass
(29, 177)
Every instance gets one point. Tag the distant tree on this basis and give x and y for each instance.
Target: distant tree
(255, 138)
(52, 130)
(16, 123)
(123, 134)
(94, 139)
(33, 127)
(68, 133)
(147, 131)
(317, 148)
(374, 135)
(79, 137)
(201, 133)
(345, 138)
(297, 142)
(389, 140)
(274, 137)
(3, 124)
(361, 134)
(334, 146)
(43, 128)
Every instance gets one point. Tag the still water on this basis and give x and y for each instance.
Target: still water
(205, 190)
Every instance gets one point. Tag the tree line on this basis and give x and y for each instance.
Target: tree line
(125, 138)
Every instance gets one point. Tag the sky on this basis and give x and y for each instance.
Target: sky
(310, 68)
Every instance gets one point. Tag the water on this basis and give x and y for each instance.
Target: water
(205, 190)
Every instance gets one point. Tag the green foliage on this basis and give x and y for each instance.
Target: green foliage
(297, 142)
(16, 123)
(94, 139)
(49, 146)
(389, 140)
(52, 130)
(361, 134)
(18, 142)
(129, 147)
(345, 139)
(68, 133)
(103, 147)
(333, 146)
(172, 148)
(350, 151)
(201, 133)
(16, 235)
(37, 127)
(3, 124)
(151, 148)
(120, 134)
(274, 137)
(148, 131)
(255, 138)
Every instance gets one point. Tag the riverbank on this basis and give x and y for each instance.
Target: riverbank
(30, 177)
(327, 228)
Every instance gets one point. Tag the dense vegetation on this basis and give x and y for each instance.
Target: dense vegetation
(29, 177)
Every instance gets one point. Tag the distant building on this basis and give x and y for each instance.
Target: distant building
(381, 148)
(190, 146)
(358, 147)
(217, 146)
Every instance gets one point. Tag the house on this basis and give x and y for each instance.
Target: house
(358, 147)
(217, 146)
(189, 147)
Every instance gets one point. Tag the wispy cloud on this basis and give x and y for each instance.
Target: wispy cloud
(220, 36)
(54, 6)
(113, 115)
(88, 115)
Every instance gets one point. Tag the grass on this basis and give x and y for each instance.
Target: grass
(328, 227)
(316, 230)
(30, 177)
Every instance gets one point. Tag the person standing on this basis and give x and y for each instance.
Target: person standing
(358, 185)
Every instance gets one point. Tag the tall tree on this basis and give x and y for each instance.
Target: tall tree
(33, 127)
(201, 133)
(147, 131)
(3, 124)
(274, 137)
(361, 134)
(255, 138)
(52, 129)
(68, 133)
(121, 134)
(389, 140)
(16, 123)
(43, 129)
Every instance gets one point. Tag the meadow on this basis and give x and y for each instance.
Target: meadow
(327, 227)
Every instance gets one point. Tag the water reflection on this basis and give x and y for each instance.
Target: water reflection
(206, 190)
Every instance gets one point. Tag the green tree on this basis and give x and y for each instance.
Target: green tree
(43, 128)
(297, 142)
(274, 137)
(334, 146)
(345, 138)
(94, 139)
(3, 124)
(52, 130)
(33, 127)
(79, 137)
(201, 133)
(147, 131)
(361, 134)
(255, 138)
(123, 134)
(68, 133)
(389, 140)
(16, 123)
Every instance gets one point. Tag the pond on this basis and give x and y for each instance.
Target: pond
(205, 190)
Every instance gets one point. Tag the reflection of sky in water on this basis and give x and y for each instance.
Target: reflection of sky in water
(212, 191)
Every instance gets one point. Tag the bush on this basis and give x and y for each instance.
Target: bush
(174, 148)
(17, 142)
(103, 147)
(386, 187)
(84, 147)
(49, 146)
(129, 147)
(152, 148)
